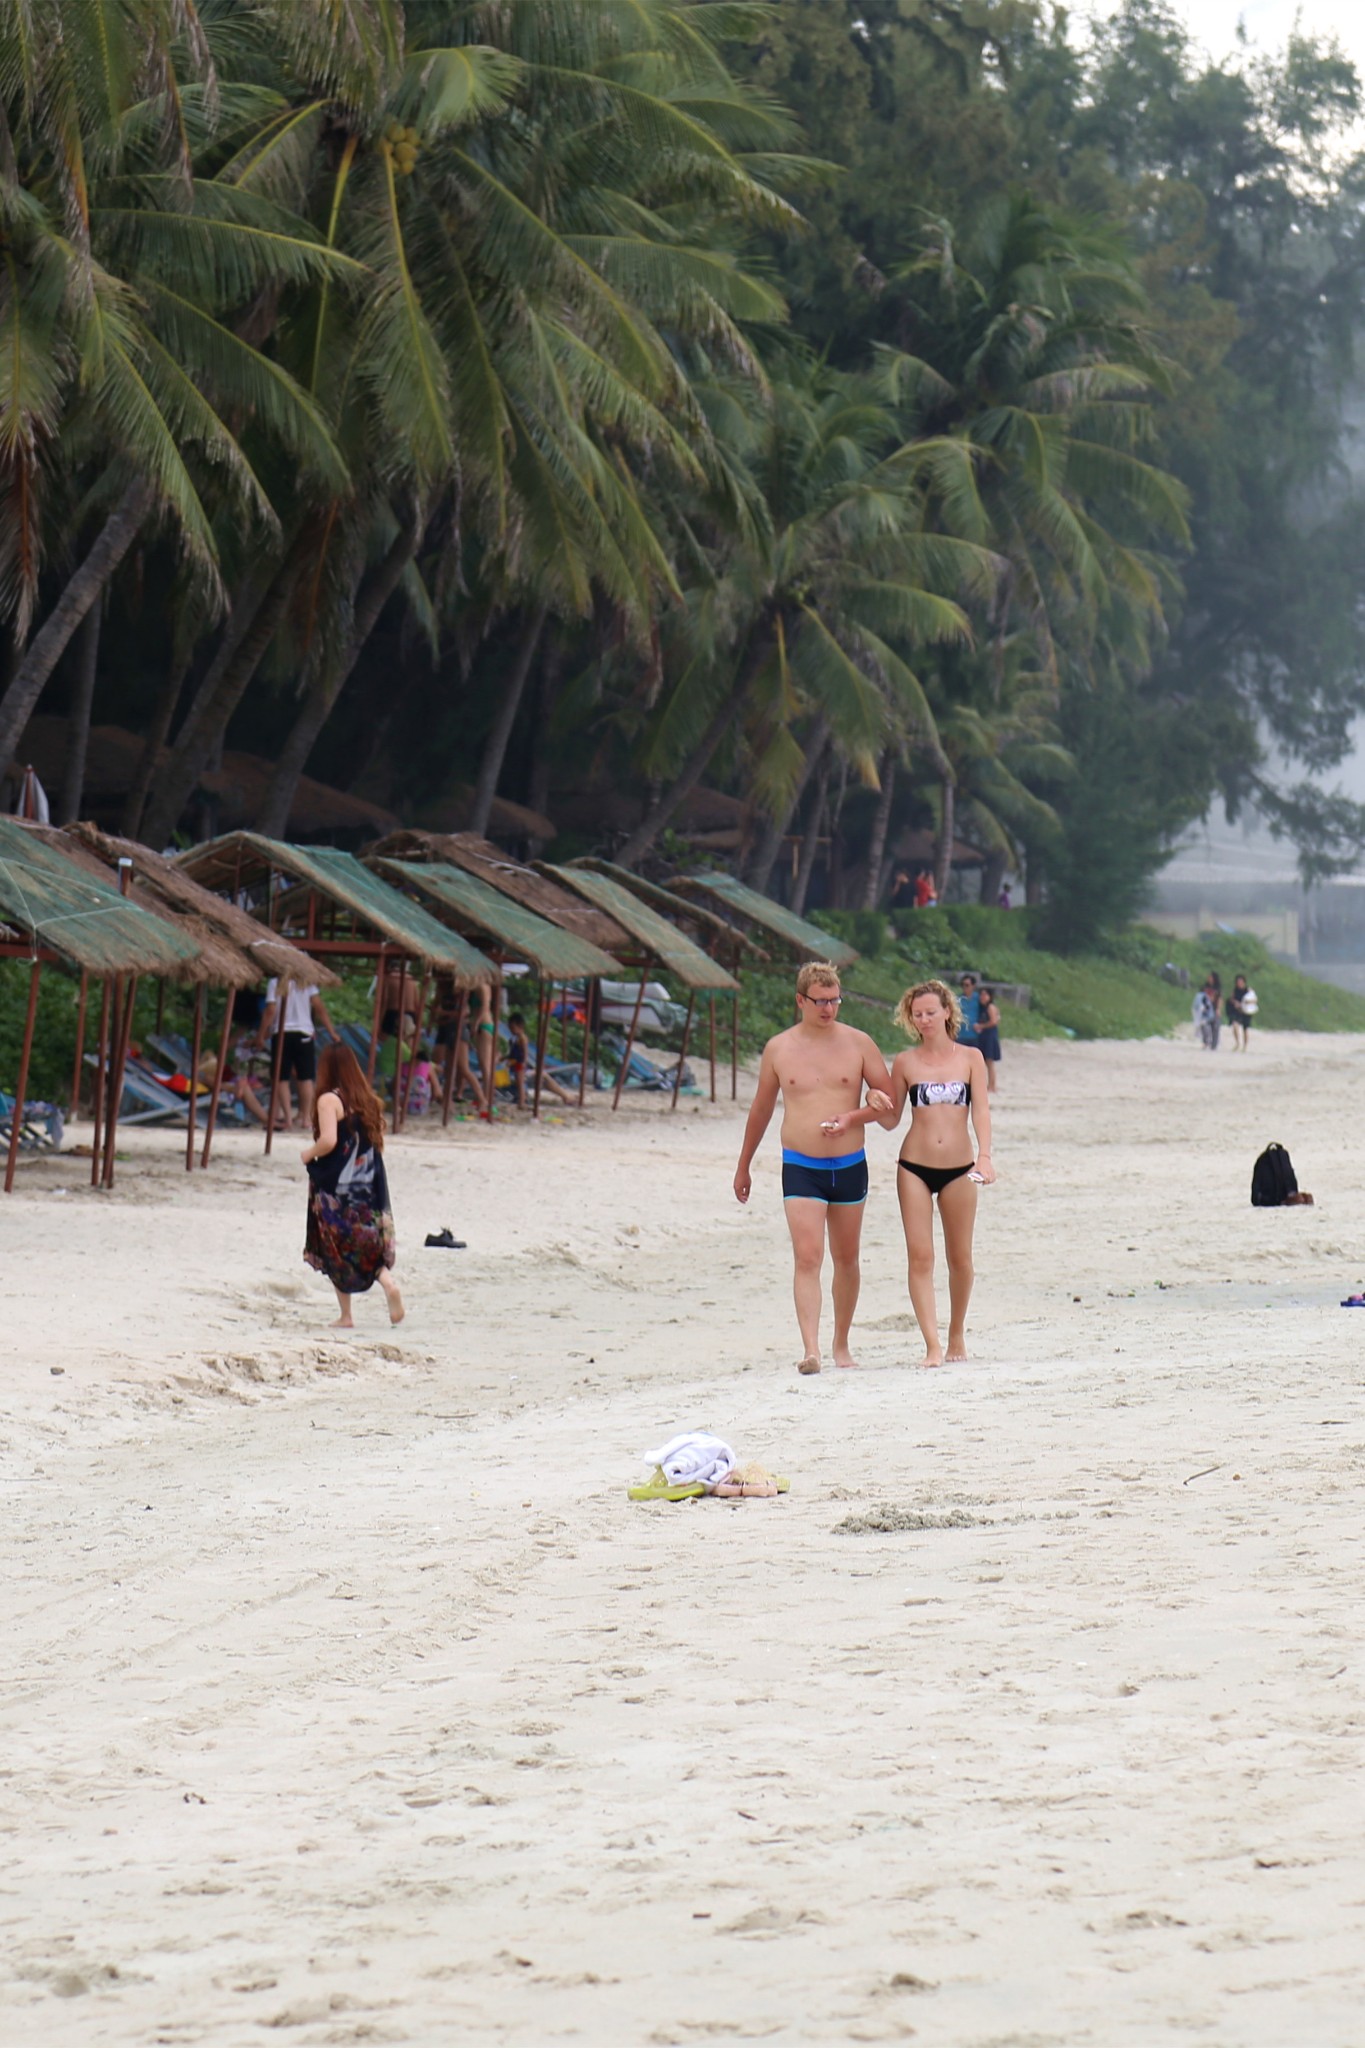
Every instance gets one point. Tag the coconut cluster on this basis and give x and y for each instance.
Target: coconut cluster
(403, 146)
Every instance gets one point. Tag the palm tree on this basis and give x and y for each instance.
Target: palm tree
(510, 365)
(130, 387)
(1029, 348)
(801, 626)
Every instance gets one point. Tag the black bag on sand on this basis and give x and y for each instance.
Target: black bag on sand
(1273, 1180)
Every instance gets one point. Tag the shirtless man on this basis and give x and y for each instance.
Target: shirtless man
(818, 1068)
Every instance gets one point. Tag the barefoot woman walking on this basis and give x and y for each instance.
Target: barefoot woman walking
(946, 1085)
(350, 1225)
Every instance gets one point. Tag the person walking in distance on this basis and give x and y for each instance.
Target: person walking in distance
(819, 1068)
(304, 1010)
(945, 1083)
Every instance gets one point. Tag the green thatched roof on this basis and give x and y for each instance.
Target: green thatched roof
(807, 941)
(670, 905)
(652, 933)
(248, 860)
(555, 954)
(60, 908)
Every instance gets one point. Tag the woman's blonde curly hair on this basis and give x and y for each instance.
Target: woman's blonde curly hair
(928, 988)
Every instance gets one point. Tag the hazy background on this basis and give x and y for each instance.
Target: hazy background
(1268, 23)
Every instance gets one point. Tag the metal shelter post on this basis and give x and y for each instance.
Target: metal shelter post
(687, 1031)
(630, 1041)
(542, 1039)
(378, 1015)
(219, 1071)
(97, 1100)
(21, 1085)
(711, 1008)
(588, 987)
(401, 1108)
(453, 1061)
(78, 1066)
(124, 1034)
(276, 1062)
(196, 1041)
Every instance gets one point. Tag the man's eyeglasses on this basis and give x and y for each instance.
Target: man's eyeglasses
(823, 1002)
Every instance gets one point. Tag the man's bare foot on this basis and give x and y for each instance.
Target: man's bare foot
(342, 1323)
(810, 1363)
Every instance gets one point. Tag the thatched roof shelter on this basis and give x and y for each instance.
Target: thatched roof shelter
(793, 933)
(654, 936)
(331, 903)
(531, 886)
(234, 949)
(57, 907)
(705, 925)
(470, 904)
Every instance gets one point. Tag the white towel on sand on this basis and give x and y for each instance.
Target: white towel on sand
(693, 1458)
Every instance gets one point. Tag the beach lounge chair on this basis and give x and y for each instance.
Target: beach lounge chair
(358, 1038)
(172, 1050)
(151, 1102)
(40, 1128)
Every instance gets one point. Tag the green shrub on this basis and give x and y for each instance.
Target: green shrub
(866, 930)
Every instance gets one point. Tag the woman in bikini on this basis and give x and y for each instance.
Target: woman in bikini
(946, 1086)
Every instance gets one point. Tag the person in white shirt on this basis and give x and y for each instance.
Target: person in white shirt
(304, 1009)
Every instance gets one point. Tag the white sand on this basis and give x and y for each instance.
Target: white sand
(347, 1699)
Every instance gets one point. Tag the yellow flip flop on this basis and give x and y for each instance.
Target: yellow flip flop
(660, 1487)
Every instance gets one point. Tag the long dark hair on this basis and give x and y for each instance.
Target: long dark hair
(340, 1073)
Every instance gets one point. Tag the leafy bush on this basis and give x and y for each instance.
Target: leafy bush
(864, 929)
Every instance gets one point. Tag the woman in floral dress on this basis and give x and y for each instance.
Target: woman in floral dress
(350, 1224)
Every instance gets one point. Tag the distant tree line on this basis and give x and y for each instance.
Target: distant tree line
(903, 416)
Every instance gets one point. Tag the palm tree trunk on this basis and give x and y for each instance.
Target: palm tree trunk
(943, 859)
(83, 586)
(881, 826)
(992, 875)
(495, 746)
(775, 831)
(78, 725)
(690, 774)
(204, 730)
(328, 682)
(158, 732)
(538, 787)
(810, 845)
(834, 869)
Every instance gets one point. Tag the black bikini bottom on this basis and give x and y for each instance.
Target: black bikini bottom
(936, 1178)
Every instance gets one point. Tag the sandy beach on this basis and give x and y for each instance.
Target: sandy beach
(348, 1700)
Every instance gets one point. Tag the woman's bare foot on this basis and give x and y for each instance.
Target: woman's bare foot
(933, 1358)
(847, 1361)
(395, 1298)
(809, 1364)
(957, 1348)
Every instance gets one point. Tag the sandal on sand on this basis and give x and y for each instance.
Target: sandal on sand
(1354, 1301)
(735, 1488)
(660, 1487)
